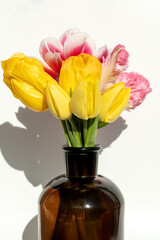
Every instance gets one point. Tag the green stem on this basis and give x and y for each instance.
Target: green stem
(92, 132)
(76, 133)
(85, 124)
(74, 142)
(80, 127)
(65, 132)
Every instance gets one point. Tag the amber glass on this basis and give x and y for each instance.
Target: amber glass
(80, 205)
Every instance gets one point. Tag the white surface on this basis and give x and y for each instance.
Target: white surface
(30, 142)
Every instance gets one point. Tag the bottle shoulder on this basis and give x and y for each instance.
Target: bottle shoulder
(100, 186)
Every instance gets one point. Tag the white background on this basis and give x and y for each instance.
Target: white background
(31, 142)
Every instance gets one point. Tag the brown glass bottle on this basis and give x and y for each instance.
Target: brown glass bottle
(81, 205)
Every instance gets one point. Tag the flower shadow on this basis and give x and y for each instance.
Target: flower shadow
(107, 135)
(35, 149)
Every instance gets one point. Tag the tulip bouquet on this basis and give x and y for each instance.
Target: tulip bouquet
(84, 87)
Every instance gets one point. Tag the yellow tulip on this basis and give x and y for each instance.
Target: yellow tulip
(76, 68)
(27, 80)
(86, 98)
(58, 101)
(113, 102)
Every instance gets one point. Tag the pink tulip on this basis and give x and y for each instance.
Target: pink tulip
(115, 63)
(140, 87)
(71, 43)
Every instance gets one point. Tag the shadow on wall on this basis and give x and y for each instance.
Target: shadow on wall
(35, 149)
(31, 230)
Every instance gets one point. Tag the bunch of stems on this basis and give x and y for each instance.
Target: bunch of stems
(81, 133)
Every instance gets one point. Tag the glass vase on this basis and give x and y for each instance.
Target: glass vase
(81, 205)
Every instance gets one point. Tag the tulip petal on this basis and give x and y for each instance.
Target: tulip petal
(54, 61)
(102, 53)
(89, 47)
(8, 66)
(28, 95)
(48, 70)
(18, 55)
(67, 34)
(68, 78)
(86, 99)
(118, 106)
(74, 45)
(8, 83)
(58, 101)
(108, 98)
(50, 45)
(31, 71)
(115, 63)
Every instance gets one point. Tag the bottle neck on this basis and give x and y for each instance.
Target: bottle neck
(81, 162)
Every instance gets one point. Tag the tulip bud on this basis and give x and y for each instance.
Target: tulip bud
(76, 68)
(58, 101)
(27, 80)
(86, 98)
(113, 102)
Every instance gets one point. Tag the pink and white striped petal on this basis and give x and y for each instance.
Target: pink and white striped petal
(102, 53)
(116, 62)
(53, 74)
(89, 46)
(119, 56)
(50, 45)
(74, 45)
(54, 61)
(122, 59)
(140, 87)
(67, 34)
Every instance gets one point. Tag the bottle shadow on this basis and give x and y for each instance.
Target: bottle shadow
(35, 149)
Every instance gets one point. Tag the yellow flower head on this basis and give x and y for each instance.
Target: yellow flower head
(79, 80)
(86, 99)
(27, 80)
(76, 68)
(58, 101)
(113, 102)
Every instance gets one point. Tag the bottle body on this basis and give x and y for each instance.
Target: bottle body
(81, 205)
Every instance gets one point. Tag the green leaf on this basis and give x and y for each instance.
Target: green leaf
(75, 131)
(92, 132)
(70, 134)
(85, 130)
(102, 124)
(66, 133)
